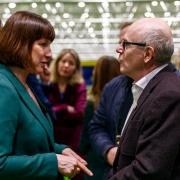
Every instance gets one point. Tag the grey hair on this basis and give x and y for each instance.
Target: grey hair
(162, 44)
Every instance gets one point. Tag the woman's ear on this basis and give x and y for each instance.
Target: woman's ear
(148, 54)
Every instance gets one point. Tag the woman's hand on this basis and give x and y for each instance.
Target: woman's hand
(70, 152)
(67, 165)
(70, 166)
(70, 109)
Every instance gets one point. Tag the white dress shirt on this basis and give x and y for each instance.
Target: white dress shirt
(138, 88)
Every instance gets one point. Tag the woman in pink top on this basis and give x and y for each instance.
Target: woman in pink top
(67, 93)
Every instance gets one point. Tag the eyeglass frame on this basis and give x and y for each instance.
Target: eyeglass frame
(124, 43)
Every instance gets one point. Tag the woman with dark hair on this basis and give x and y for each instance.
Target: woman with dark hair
(67, 94)
(106, 68)
(27, 148)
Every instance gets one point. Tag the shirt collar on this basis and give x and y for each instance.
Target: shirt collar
(142, 83)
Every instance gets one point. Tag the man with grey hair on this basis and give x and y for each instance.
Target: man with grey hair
(149, 148)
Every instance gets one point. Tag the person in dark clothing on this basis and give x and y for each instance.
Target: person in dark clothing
(105, 125)
(106, 68)
(150, 139)
(37, 88)
(107, 122)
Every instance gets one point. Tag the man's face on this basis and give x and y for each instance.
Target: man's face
(131, 57)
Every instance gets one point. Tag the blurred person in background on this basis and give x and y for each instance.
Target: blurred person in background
(67, 94)
(27, 147)
(106, 68)
(107, 121)
(37, 83)
(44, 77)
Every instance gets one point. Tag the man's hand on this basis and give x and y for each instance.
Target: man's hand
(111, 155)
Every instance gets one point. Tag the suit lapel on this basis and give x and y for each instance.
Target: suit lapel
(123, 110)
(44, 109)
(145, 94)
(29, 103)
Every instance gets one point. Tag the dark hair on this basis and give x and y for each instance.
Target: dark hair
(18, 34)
(107, 67)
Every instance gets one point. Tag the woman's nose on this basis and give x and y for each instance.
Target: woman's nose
(66, 64)
(49, 53)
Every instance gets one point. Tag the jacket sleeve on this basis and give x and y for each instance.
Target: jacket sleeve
(59, 148)
(19, 166)
(157, 148)
(98, 130)
(84, 141)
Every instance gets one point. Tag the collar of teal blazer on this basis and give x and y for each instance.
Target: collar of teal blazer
(25, 97)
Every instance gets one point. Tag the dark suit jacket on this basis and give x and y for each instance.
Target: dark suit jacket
(115, 102)
(150, 144)
(27, 149)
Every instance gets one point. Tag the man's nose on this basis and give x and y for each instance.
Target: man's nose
(119, 49)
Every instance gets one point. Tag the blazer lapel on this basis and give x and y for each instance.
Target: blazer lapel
(123, 110)
(30, 104)
(146, 92)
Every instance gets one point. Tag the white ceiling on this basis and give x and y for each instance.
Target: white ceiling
(92, 26)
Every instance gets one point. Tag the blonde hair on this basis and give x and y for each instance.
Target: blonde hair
(76, 78)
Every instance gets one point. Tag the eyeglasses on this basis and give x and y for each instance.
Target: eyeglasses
(126, 43)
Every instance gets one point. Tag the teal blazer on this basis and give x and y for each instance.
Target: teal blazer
(27, 148)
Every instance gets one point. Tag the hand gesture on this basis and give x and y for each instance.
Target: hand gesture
(70, 152)
(70, 166)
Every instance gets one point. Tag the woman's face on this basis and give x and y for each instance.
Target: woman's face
(67, 66)
(41, 55)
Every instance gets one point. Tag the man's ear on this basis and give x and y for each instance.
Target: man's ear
(148, 54)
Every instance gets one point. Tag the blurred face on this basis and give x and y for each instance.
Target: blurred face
(67, 66)
(131, 56)
(45, 76)
(41, 55)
